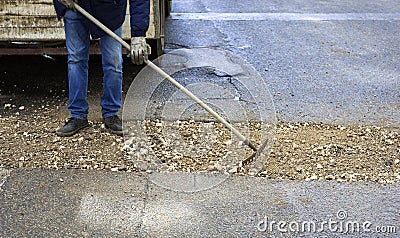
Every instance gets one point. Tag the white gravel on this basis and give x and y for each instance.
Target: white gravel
(301, 151)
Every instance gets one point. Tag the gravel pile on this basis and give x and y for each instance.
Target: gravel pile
(187, 146)
(300, 152)
(28, 139)
(335, 152)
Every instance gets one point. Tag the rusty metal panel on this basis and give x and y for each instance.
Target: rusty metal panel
(35, 20)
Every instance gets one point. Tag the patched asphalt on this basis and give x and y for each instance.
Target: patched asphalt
(336, 69)
(71, 203)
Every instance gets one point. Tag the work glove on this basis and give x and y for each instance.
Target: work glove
(69, 3)
(139, 50)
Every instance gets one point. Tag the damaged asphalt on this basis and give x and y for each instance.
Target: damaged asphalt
(334, 69)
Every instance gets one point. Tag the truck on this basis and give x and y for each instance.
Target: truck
(30, 27)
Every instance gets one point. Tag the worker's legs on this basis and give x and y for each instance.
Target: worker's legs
(111, 50)
(78, 43)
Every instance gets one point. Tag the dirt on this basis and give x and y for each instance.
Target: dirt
(30, 114)
(301, 151)
(335, 152)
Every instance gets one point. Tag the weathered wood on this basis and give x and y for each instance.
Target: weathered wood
(35, 20)
(32, 34)
(27, 8)
(15, 21)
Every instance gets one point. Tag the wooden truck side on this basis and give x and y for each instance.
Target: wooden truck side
(31, 27)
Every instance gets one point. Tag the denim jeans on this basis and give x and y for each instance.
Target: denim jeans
(78, 42)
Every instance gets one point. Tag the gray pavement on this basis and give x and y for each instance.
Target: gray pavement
(323, 61)
(68, 203)
(339, 66)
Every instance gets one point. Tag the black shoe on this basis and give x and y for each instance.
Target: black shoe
(72, 126)
(114, 124)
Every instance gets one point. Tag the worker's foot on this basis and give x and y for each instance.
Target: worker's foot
(72, 126)
(114, 124)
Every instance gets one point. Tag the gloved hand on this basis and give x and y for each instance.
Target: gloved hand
(139, 50)
(69, 3)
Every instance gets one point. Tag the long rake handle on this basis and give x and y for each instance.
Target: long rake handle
(201, 103)
(169, 78)
(102, 26)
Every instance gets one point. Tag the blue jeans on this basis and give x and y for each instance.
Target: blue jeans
(78, 42)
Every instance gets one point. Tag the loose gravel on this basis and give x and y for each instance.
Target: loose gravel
(301, 151)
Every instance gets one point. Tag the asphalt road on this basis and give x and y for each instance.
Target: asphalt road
(323, 61)
(71, 203)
